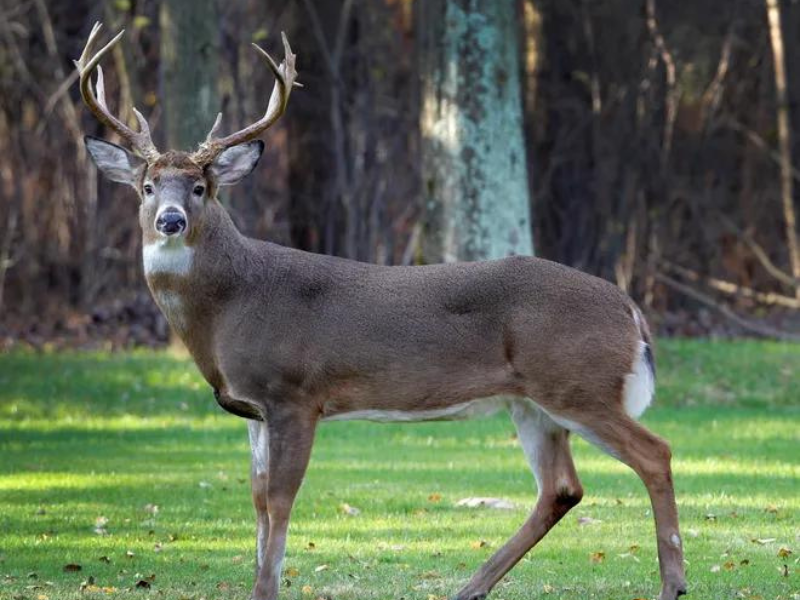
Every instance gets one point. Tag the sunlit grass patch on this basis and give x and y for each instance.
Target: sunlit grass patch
(91, 444)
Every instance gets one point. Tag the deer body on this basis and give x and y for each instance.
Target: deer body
(287, 339)
(347, 337)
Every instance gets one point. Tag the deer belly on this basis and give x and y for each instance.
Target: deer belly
(481, 407)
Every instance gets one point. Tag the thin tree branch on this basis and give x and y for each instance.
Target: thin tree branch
(757, 328)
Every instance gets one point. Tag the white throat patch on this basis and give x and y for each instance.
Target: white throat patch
(170, 255)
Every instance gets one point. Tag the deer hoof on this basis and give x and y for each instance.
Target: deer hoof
(471, 596)
(672, 592)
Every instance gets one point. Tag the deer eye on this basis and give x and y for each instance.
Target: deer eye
(148, 189)
(198, 190)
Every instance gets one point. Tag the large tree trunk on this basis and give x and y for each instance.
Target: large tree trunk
(783, 117)
(189, 47)
(473, 156)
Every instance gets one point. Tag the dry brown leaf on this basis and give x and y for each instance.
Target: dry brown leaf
(783, 552)
(291, 572)
(349, 510)
(307, 589)
(478, 544)
(72, 568)
(435, 497)
(597, 557)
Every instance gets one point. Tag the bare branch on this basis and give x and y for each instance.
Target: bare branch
(757, 328)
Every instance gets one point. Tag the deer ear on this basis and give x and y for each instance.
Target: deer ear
(114, 161)
(235, 163)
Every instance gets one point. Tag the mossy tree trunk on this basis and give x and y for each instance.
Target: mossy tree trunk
(473, 155)
(189, 47)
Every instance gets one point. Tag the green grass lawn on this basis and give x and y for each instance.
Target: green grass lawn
(90, 444)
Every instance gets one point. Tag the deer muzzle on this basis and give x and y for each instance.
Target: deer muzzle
(171, 221)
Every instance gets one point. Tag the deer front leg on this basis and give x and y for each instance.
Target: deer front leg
(259, 477)
(291, 436)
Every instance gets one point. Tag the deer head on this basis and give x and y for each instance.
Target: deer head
(176, 187)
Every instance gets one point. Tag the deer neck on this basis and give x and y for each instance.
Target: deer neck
(191, 278)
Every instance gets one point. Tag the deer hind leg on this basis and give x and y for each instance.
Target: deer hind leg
(649, 456)
(259, 478)
(546, 446)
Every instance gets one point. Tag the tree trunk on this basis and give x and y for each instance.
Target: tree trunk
(189, 48)
(473, 155)
(784, 136)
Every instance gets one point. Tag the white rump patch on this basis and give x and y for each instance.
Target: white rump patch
(168, 256)
(637, 393)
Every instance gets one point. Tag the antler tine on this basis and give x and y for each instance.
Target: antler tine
(140, 141)
(285, 75)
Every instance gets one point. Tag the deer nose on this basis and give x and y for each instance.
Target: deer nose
(170, 222)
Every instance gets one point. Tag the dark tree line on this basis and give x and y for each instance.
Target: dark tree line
(661, 141)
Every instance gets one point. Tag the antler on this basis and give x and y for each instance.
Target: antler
(284, 80)
(140, 141)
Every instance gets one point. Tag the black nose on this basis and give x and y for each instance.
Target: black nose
(170, 222)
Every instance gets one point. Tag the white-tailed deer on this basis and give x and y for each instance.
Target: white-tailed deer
(287, 339)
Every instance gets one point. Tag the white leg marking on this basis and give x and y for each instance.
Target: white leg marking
(259, 445)
(532, 424)
(259, 450)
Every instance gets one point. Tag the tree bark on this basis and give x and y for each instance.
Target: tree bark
(784, 135)
(474, 168)
(189, 47)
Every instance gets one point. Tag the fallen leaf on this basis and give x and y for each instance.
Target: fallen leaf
(716, 569)
(311, 546)
(597, 557)
(321, 568)
(430, 575)
(497, 503)
(435, 497)
(349, 510)
(478, 544)
(72, 568)
(307, 589)
(783, 552)
(291, 572)
(223, 586)
(548, 589)
(763, 541)
(129, 554)
(237, 559)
